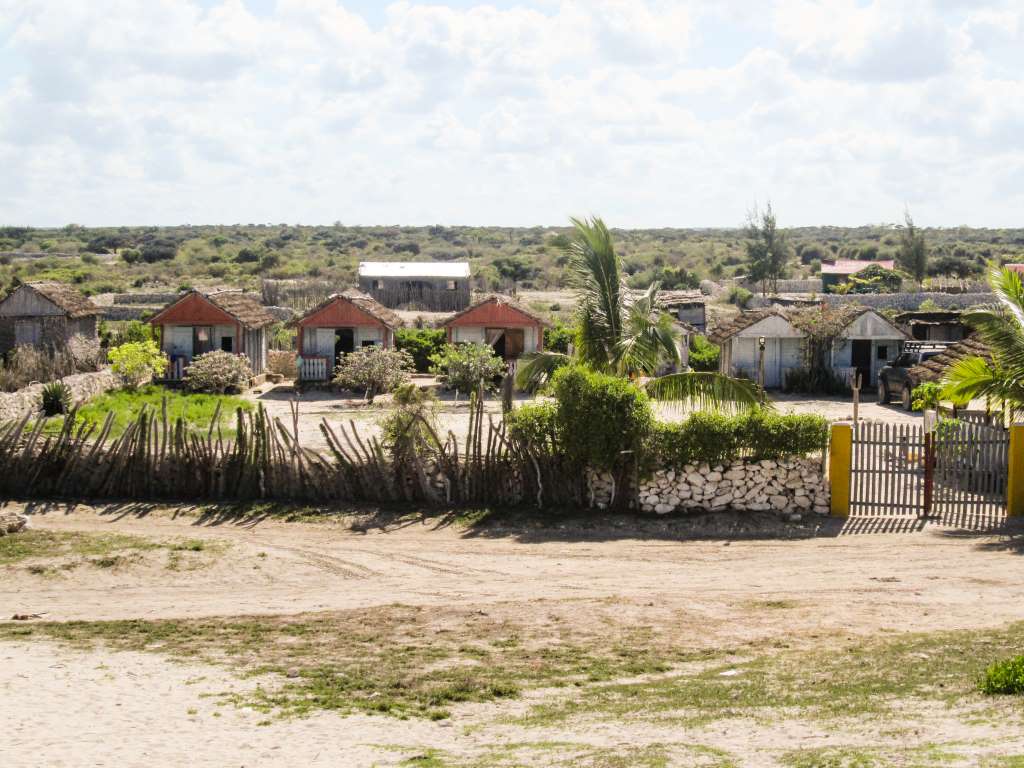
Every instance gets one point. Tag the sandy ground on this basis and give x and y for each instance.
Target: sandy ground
(453, 411)
(74, 708)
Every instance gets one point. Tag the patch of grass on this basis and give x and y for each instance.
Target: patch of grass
(396, 660)
(928, 756)
(1004, 677)
(855, 679)
(196, 409)
(558, 754)
(101, 550)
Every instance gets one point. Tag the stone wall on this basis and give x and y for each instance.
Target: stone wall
(83, 386)
(790, 486)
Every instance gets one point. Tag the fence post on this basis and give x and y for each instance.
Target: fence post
(1015, 478)
(840, 458)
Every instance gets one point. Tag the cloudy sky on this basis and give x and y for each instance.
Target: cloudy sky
(514, 112)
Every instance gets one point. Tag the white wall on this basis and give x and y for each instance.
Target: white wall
(320, 341)
(476, 334)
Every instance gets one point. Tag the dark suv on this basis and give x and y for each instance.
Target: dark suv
(895, 378)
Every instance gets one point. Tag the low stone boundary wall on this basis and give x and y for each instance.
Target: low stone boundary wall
(83, 386)
(786, 485)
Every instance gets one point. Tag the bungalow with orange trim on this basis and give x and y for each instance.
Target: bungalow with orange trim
(343, 323)
(501, 322)
(197, 323)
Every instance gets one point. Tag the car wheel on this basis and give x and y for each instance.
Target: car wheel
(907, 402)
(883, 392)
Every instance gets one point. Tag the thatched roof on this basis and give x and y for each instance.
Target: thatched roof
(743, 321)
(934, 368)
(67, 298)
(243, 307)
(499, 299)
(361, 301)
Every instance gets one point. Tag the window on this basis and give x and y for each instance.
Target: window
(369, 343)
(452, 285)
(883, 352)
(378, 285)
(227, 344)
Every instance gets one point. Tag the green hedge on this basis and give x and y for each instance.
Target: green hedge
(536, 426)
(714, 438)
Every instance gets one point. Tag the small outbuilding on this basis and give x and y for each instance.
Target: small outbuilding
(431, 286)
(196, 323)
(688, 307)
(45, 315)
(501, 322)
(938, 325)
(343, 323)
(839, 271)
(758, 334)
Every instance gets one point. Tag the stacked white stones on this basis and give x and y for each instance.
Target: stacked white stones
(788, 486)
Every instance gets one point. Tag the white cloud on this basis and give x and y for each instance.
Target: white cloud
(116, 111)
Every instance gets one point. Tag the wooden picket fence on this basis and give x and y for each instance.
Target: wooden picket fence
(944, 468)
(159, 459)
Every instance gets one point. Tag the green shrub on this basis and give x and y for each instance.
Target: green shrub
(703, 354)
(410, 427)
(374, 370)
(137, 362)
(535, 426)
(465, 367)
(714, 438)
(421, 344)
(217, 372)
(56, 398)
(600, 417)
(558, 337)
(739, 296)
(814, 381)
(1006, 676)
(926, 396)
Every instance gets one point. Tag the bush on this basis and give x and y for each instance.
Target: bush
(464, 367)
(409, 429)
(134, 331)
(1004, 677)
(926, 396)
(558, 337)
(158, 252)
(56, 398)
(282, 362)
(814, 381)
(373, 369)
(421, 344)
(600, 417)
(703, 354)
(137, 362)
(714, 438)
(739, 296)
(218, 372)
(535, 426)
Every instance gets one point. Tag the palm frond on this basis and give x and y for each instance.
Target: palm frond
(707, 391)
(535, 370)
(648, 339)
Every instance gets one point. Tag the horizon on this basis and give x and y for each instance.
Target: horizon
(655, 114)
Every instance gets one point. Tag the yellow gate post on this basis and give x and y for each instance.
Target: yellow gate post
(1015, 478)
(840, 459)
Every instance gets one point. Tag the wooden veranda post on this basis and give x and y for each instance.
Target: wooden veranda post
(1015, 466)
(840, 459)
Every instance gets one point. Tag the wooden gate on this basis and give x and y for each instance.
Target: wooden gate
(942, 468)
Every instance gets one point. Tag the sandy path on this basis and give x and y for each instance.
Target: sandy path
(925, 580)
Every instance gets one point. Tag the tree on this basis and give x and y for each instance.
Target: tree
(137, 362)
(767, 249)
(514, 268)
(1001, 328)
(373, 369)
(624, 334)
(912, 256)
(466, 367)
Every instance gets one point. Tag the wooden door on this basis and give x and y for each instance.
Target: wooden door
(514, 343)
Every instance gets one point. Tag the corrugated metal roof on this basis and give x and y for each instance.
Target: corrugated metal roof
(412, 269)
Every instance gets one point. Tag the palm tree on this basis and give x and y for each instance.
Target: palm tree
(1002, 330)
(626, 335)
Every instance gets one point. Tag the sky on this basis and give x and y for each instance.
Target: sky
(649, 113)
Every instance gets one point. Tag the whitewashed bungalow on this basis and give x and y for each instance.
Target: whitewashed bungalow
(343, 323)
(501, 322)
(740, 341)
(866, 343)
(197, 323)
(45, 315)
